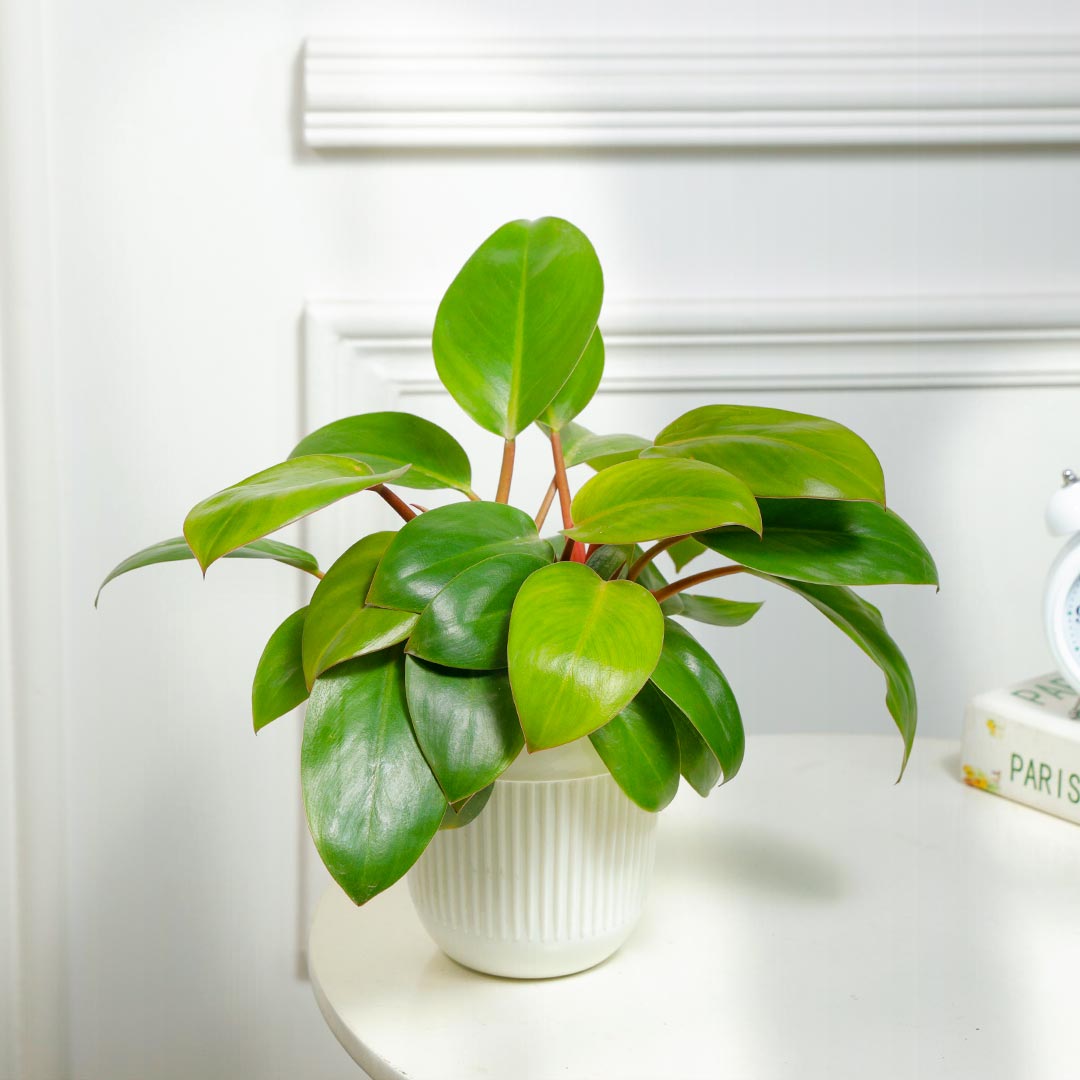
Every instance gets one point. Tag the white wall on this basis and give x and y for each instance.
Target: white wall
(187, 227)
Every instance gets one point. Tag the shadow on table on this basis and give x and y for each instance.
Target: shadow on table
(757, 859)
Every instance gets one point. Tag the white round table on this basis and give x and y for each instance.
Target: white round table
(809, 920)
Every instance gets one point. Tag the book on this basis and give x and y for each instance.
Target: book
(1023, 742)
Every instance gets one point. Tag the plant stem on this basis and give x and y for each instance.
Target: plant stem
(404, 511)
(560, 479)
(545, 506)
(472, 497)
(648, 556)
(694, 579)
(506, 473)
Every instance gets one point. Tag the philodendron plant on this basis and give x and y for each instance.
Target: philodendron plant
(432, 656)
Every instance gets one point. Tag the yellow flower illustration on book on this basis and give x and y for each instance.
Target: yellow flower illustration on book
(995, 728)
(976, 778)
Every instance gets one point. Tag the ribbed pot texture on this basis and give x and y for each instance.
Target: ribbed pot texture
(551, 877)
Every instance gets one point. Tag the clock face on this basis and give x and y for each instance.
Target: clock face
(1062, 612)
(1071, 618)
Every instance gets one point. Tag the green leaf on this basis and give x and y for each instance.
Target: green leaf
(696, 761)
(339, 626)
(466, 625)
(432, 549)
(279, 678)
(610, 560)
(580, 649)
(176, 549)
(372, 804)
(578, 390)
(385, 441)
(515, 321)
(689, 677)
(862, 622)
(779, 454)
(459, 815)
(830, 543)
(582, 447)
(272, 499)
(641, 750)
(717, 612)
(465, 723)
(686, 551)
(652, 498)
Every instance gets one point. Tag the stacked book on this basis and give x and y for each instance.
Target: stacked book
(1023, 742)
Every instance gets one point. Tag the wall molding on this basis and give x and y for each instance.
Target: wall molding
(742, 345)
(601, 93)
(34, 1026)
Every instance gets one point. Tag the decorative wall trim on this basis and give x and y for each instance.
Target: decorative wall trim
(750, 345)
(34, 1015)
(657, 92)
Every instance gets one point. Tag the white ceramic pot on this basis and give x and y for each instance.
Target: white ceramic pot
(550, 879)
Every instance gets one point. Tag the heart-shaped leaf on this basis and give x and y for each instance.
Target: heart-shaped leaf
(579, 651)
(372, 803)
(717, 612)
(466, 625)
(779, 454)
(272, 499)
(582, 447)
(689, 677)
(862, 622)
(465, 723)
(385, 441)
(651, 498)
(432, 549)
(579, 389)
(830, 543)
(339, 626)
(515, 321)
(641, 750)
(458, 815)
(611, 560)
(176, 550)
(279, 678)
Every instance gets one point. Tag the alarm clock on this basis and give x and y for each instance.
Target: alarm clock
(1062, 609)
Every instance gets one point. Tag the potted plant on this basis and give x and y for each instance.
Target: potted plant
(505, 714)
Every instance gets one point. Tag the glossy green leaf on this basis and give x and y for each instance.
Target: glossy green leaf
(717, 612)
(641, 750)
(458, 815)
(466, 625)
(385, 441)
(779, 454)
(583, 447)
(176, 550)
(652, 498)
(431, 550)
(465, 723)
(339, 626)
(862, 622)
(685, 551)
(689, 677)
(610, 560)
(273, 498)
(697, 763)
(279, 678)
(515, 321)
(372, 803)
(580, 649)
(830, 543)
(579, 389)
